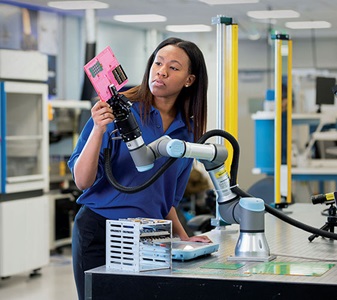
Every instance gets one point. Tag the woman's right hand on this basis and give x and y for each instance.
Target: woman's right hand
(85, 169)
(101, 114)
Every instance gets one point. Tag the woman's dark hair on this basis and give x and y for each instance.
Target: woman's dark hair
(192, 100)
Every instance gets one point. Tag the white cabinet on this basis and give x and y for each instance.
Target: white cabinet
(24, 235)
(24, 162)
(24, 138)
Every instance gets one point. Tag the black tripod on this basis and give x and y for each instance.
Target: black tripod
(330, 224)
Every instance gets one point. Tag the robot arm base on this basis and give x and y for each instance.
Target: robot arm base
(249, 213)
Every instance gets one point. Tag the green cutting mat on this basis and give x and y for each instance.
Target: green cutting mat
(224, 266)
(291, 268)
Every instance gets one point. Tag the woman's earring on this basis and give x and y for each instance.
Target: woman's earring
(186, 85)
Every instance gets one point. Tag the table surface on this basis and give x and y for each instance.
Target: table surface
(288, 243)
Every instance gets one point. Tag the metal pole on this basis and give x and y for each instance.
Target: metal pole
(220, 22)
(278, 122)
(220, 31)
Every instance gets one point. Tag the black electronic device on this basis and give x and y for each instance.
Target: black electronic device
(324, 91)
(331, 223)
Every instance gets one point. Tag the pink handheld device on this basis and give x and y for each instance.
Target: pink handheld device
(104, 71)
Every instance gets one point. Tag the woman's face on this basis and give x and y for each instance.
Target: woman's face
(169, 73)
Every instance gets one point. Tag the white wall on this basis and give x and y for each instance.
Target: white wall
(70, 59)
(129, 46)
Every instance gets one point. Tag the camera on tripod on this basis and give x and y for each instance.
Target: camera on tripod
(328, 199)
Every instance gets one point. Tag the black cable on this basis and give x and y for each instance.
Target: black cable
(233, 182)
(236, 190)
(169, 162)
(135, 189)
(236, 150)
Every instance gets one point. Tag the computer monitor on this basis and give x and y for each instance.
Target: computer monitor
(324, 93)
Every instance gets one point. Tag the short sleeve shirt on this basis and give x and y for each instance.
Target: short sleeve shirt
(156, 200)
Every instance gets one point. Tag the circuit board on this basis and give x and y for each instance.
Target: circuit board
(104, 70)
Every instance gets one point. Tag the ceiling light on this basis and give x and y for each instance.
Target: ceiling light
(224, 2)
(189, 28)
(140, 18)
(273, 14)
(73, 5)
(308, 25)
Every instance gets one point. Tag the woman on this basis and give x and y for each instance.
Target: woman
(171, 100)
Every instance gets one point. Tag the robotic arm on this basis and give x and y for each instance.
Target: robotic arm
(247, 211)
(233, 209)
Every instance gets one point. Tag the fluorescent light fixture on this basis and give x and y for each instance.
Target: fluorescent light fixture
(73, 5)
(140, 18)
(254, 36)
(308, 25)
(273, 14)
(224, 2)
(189, 28)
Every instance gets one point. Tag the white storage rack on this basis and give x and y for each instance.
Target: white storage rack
(138, 244)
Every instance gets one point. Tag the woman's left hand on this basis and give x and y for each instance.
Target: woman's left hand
(199, 238)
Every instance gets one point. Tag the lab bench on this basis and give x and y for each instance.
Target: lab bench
(205, 278)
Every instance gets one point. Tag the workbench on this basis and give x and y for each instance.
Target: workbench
(191, 280)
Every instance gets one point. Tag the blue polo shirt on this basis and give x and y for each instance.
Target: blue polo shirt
(156, 200)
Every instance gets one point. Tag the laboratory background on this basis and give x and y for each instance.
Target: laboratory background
(272, 68)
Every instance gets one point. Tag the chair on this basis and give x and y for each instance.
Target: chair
(264, 189)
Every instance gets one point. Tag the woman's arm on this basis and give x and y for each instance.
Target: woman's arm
(85, 168)
(179, 230)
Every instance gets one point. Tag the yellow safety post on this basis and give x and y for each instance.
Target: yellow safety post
(279, 39)
(231, 87)
(289, 119)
